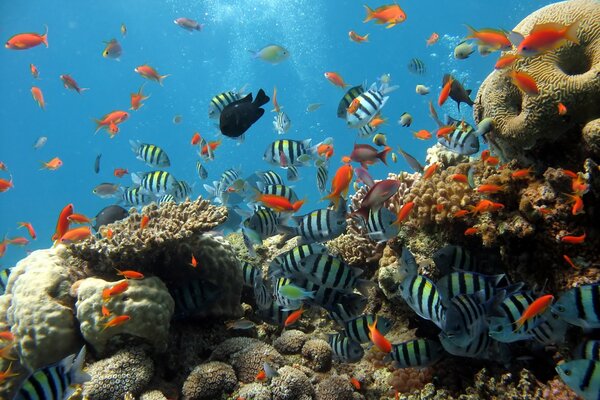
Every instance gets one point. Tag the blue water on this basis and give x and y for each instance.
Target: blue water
(202, 64)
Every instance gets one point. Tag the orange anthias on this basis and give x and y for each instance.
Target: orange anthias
(562, 109)
(38, 96)
(506, 61)
(390, 14)
(62, 224)
(521, 173)
(325, 150)
(549, 36)
(116, 321)
(340, 184)
(150, 73)
(129, 274)
(445, 92)
(423, 134)
(278, 203)
(276, 107)
(353, 107)
(293, 317)
(115, 290)
(8, 373)
(5, 185)
(79, 219)
(490, 188)
(378, 339)
(430, 170)
(459, 178)
(524, 82)
(577, 204)
(144, 222)
(76, 235)
(194, 262)
(137, 98)
(29, 227)
(471, 231)
(336, 79)
(23, 41)
(404, 211)
(18, 241)
(573, 239)
(120, 172)
(113, 117)
(433, 38)
(213, 145)
(538, 307)
(53, 164)
(355, 37)
(445, 131)
(195, 139)
(485, 205)
(570, 262)
(494, 38)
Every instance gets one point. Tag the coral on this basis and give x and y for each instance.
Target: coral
(317, 355)
(355, 250)
(41, 311)
(335, 388)
(246, 356)
(129, 370)
(439, 154)
(164, 249)
(153, 395)
(147, 302)
(525, 386)
(290, 341)
(291, 384)
(590, 135)
(255, 391)
(525, 123)
(407, 380)
(556, 389)
(209, 381)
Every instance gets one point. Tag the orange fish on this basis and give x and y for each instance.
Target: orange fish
(562, 109)
(445, 131)
(445, 92)
(114, 117)
(105, 311)
(119, 172)
(579, 186)
(378, 339)
(62, 224)
(577, 204)
(293, 317)
(38, 96)
(490, 188)
(53, 164)
(573, 239)
(376, 121)
(79, 219)
(276, 107)
(340, 184)
(570, 173)
(5, 185)
(107, 233)
(195, 139)
(548, 36)
(404, 211)
(76, 235)
(144, 222)
(116, 321)
(493, 161)
(544, 210)
(355, 37)
(439, 207)
(213, 146)
(278, 203)
(459, 178)
(3, 245)
(194, 262)
(432, 39)
(390, 14)
(353, 107)
(524, 82)
(485, 155)
(336, 79)
(470, 231)
(493, 38)
(23, 41)
(8, 373)
(538, 307)
(346, 159)
(485, 205)
(521, 173)
(325, 150)
(430, 170)
(7, 335)
(129, 274)
(137, 98)
(34, 71)
(422, 134)
(460, 213)
(506, 61)
(3, 166)
(261, 376)
(355, 382)
(29, 228)
(71, 84)
(18, 241)
(150, 73)
(113, 129)
(570, 262)
(115, 290)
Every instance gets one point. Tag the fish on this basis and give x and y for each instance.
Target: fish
(97, 163)
(135, 196)
(194, 262)
(381, 224)
(112, 50)
(148, 72)
(347, 99)
(501, 327)
(166, 198)
(423, 134)
(249, 273)
(144, 222)
(4, 275)
(24, 41)
(355, 37)
(107, 190)
(188, 24)
(367, 155)
(120, 172)
(454, 258)
(465, 282)
(378, 339)
(421, 294)
(110, 119)
(182, 190)
(273, 54)
(367, 130)
(155, 182)
(490, 188)
(377, 195)
(457, 92)
(336, 79)
(562, 109)
(38, 96)
(150, 154)
(353, 106)
(62, 223)
(463, 140)
(222, 100)
(411, 161)
(405, 119)
(394, 158)
(319, 226)
(293, 292)
(433, 39)
(344, 349)
(129, 274)
(279, 190)
(525, 82)
(589, 350)
(582, 376)
(292, 174)
(76, 235)
(281, 122)
(322, 176)
(580, 306)
(390, 14)
(123, 29)
(116, 321)
(29, 228)
(240, 324)
(34, 71)
(278, 203)
(445, 91)
(463, 50)
(312, 107)
(288, 264)
(70, 83)
(270, 178)
(357, 329)
(363, 175)
(417, 353)
(263, 295)
(570, 239)
(239, 116)
(477, 348)
(506, 61)
(545, 37)
(263, 221)
(340, 184)
(56, 381)
(192, 297)
(417, 66)
(371, 103)
(6, 184)
(202, 173)
(79, 219)
(422, 90)
(495, 39)
(137, 98)
(53, 164)
(295, 152)
(430, 170)
(40, 142)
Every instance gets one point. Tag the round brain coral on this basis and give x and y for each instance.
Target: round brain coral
(570, 75)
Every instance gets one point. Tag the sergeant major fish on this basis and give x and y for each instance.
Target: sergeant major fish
(151, 154)
(222, 100)
(281, 122)
(463, 140)
(370, 104)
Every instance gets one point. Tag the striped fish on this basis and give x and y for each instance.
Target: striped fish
(551, 331)
(319, 225)
(229, 176)
(263, 293)
(292, 173)
(249, 273)
(350, 95)
(279, 190)
(167, 198)
(281, 122)
(286, 303)
(4, 275)
(323, 296)
(367, 131)
(274, 314)
(182, 190)
(451, 258)
(322, 175)
(344, 349)
(350, 306)
(422, 296)
(418, 353)
(288, 264)
(55, 382)
(134, 196)
(371, 103)
(155, 182)
(463, 140)
(152, 155)
(222, 100)
(330, 272)
(580, 306)
(380, 224)
(583, 376)
(263, 221)
(463, 282)
(589, 350)
(202, 172)
(286, 152)
(477, 348)
(270, 178)
(502, 328)
(416, 66)
(193, 296)
(357, 329)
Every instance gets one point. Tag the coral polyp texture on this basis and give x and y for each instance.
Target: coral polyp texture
(530, 126)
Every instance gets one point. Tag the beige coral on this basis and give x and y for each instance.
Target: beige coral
(354, 249)
(568, 75)
(290, 341)
(291, 384)
(317, 355)
(209, 381)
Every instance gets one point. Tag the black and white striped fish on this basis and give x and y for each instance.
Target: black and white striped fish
(589, 350)
(502, 328)
(249, 273)
(367, 131)
(263, 293)
(319, 225)
(279, 190)
(151, 154)
(167, 198)
(551, 331)
(292, 173)
(350, 95)
(182, 190)
(202, 172)
(583, 376)
(463, 140)
(380, 224)
(285, 302)
(330, 272)
(417, 353)
(155, 182)
(421, 294)
(288, 264)
(193, 296)
(370, 104)
(357, 329)
(416, 66)
(580, 306)
(452, 258)
(222, 100)
(281, 122)
(274, 313)
(270, 178)
(134, 196)
(286, 152)
(344, 349)
(263, 221)
(322, 176)
(350, 306)
(464, 282)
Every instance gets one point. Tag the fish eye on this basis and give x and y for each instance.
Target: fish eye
(560, 308)
(567, 372)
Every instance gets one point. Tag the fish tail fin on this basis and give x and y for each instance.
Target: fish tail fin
(254, 53)
(570, 31)
(370, 15)
(261, 98)
(161, 77)
(366, 37)
(383, 154)
(472, 32)
(335, 199)
(296, 206)
(98, 125)
(45, 36)
(83, 89)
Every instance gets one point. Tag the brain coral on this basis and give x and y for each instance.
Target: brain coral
(147, 302)
(209, 381)
(569, 75)
(291, 384)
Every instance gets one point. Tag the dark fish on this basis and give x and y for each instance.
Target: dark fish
(457, 91)
(97, 163)
(417, 353)
(238, 116)
(108, 215)
(193, 297)
(414, 164)
(417, 67)
(350, 95)
(451, 258)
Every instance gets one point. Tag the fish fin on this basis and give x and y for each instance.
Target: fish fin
(382, 154)
(385, 89)
(516, 38)
(45, 36)
(136, 177)
(468, 91)
(370, 15)
(571, 32)
(472, 32)
(261, 99)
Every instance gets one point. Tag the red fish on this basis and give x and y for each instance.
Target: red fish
(18, 241)
(213, 146)
(573, 239)
(485, 155)
(7, 335)
(570, 262)
(150, 73)
(23, 41)
(5, 185)
(144, 222)
(524, 82)
(390, 14)
(548, 36)
(79, 219)
(485, 205)
(38, 96)
(423, 134)
(366, 154)
(325, 149)
(355, 382)
(353, 107)
(459, 178)
(445, 130)
(105, 311)
(562, 109)
(293, 317)
(194, 262)
(114, 117)
(116, 321)
(471, 231)
(490, 188)
(70, 83)
(137, 98)
(445, 92)
(129, 274)
(429, 171)
(460, 213)
(355, 37)
(521, 173)
(579, 186)
(404, 211)
(53, 164)
(76, 235)
(34, 71)
(493, 38)
(120, 172)
(261, 376)
(378, 339)
(432, 39)
(336, 79)
(506, 61)
(29, 227)
(577, 204)
(278, 203)
(195, 139)
(538, 307)
(340, 184)
(115, 290)
(8, 373)
(62, 224)
(491, 160)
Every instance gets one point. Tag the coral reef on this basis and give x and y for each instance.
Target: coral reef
(529, 125)
(209, 381)
(290, 341)
(354, 249)
(147, 302)
(317, 355)
(291, 384)
(255, 391)
(153, 395)
(335, 388)
(439, 154)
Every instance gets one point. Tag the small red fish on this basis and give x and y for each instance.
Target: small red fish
(18, 241)
(53, 164)
(485, 155)
(23, 41)
(378, 339)
(430, 171)
(579, 186)
(548, 36)
(493, 161)
(62, 224)
(493, 38)
(460, 213)
(326, 150)
(577, 204)
(524, 82)
(194, 262)
(79, 219)
(116, 321)
(137, 98)
(112, 118)
(471, 231)
(570, 173)
(462, 178)
(521, 173)
(336, 79)
(432, 39)
(278, 203)
(439, 207)
(115, 290)
(213, 145)
(562, 109)
(29, 227)
(7, 335)
(261, 376)
(129, 274)
(34, 71)
(404, 211)
(355, 382)
(353, 107)
(38, 96)
(445, 92)
(120, 172)
(538, 307)
(5, 185)
(445, 131)
(570, 262)
(355, 37)
(506, 61)
(195, 139)
(573, 239)
(150, 73)
(76, 235)
(144, 222)
(490, 188)
(293, 317)
(107, 233)
(105, 311)
(340, 184)
(423, 134)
